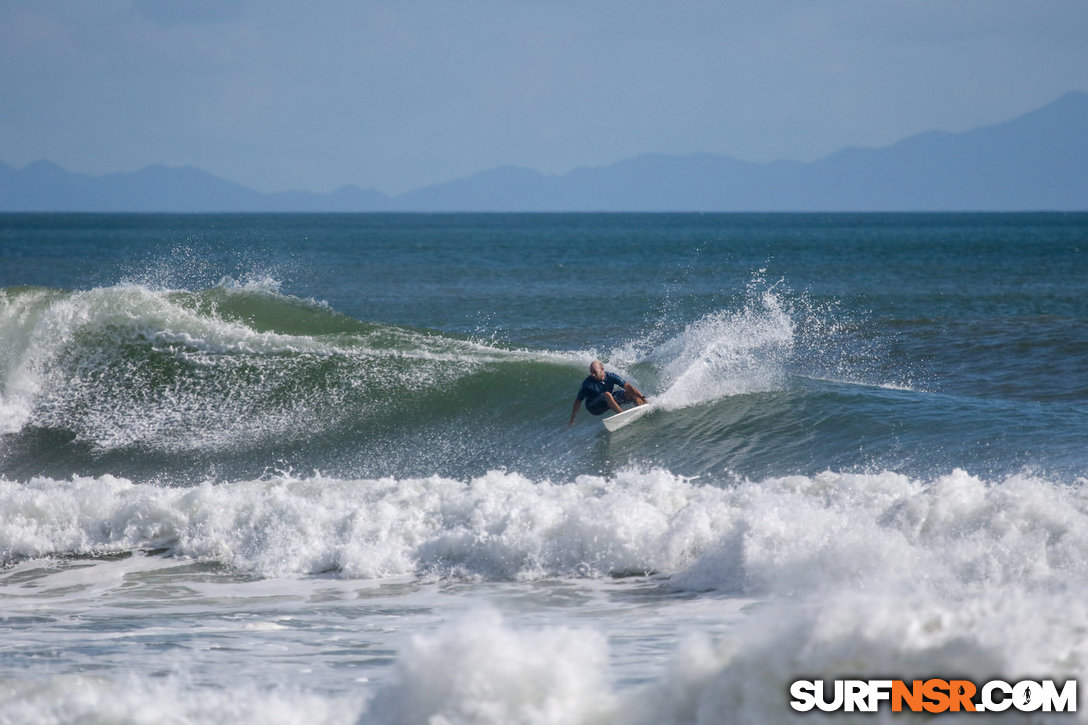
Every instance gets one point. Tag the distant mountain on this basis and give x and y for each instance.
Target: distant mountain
(1038, 161)
(43, 186)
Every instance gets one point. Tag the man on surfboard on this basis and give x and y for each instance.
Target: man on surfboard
(598, 390)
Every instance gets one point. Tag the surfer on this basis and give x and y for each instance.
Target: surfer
(598, 390)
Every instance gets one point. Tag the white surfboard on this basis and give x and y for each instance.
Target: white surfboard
(617, 421)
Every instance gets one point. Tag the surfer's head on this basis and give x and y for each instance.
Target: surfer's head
(596, 370)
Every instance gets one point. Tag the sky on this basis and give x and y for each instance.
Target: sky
(395, 95)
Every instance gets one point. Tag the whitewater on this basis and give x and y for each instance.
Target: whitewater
(315, 468)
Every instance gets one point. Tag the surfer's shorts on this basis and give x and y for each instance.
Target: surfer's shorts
(600, 404)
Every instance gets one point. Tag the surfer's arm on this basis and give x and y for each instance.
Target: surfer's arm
(634, 394)
(574, 411)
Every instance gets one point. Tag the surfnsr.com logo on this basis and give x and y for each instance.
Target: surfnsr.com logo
(933, 696)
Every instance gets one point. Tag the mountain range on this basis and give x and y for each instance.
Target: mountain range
(1038, 161)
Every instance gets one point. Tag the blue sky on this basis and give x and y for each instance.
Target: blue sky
(397, 94)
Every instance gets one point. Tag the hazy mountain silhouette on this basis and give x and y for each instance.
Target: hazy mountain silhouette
(1038, 161)
(43, 186)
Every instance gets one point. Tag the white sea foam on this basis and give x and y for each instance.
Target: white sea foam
(477, 670)
(756, 347)
(485, 671)
(726, 353)
(97, 699)
(853, 574)
(499, 526)
(780, 535)
(744, 678)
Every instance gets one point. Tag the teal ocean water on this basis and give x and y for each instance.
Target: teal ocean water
(316, 467)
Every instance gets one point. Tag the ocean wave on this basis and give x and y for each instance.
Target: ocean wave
(797, 534)
(237, 380)
(216, 369)
(838, 574)
(243, 367)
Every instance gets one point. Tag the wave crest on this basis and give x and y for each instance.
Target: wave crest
(779, 535)
(215, 369)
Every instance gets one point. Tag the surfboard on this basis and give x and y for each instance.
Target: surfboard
(615, 422)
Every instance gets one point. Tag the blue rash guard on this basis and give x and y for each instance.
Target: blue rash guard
(593, 391)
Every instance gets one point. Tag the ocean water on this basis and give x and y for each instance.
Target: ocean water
(316, 469)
